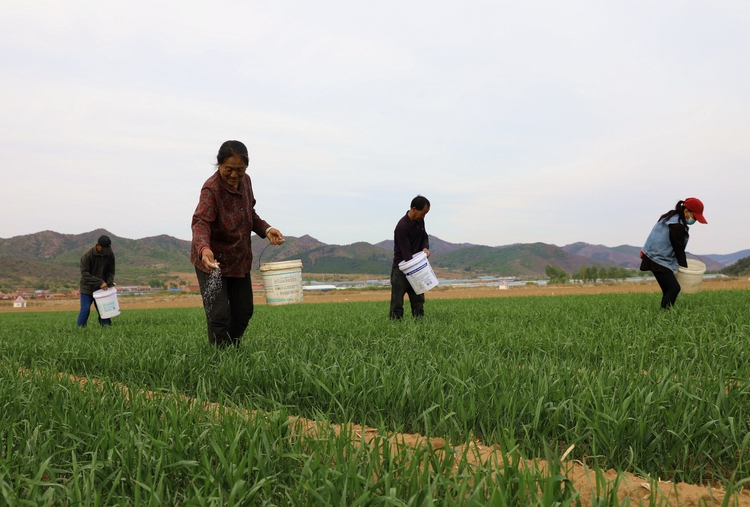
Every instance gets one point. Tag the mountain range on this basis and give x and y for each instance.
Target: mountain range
(50, 259)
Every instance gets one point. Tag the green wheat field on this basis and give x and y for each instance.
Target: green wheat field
(660, 394)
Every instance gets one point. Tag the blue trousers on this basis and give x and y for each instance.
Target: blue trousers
(83, 316)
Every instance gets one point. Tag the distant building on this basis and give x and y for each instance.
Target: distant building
(19, 302)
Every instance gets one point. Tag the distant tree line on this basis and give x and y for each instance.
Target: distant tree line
(588, 274)
(739, 268)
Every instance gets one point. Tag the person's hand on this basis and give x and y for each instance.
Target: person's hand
(275, 237)
(207, 257)
(103, 286)
(427, 252)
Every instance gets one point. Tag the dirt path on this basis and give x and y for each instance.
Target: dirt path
(352, 295)
(639, 490)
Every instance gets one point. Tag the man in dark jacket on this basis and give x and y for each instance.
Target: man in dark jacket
(409, 238)
(97, 272)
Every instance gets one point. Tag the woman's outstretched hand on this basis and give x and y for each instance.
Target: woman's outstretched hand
(207, 257)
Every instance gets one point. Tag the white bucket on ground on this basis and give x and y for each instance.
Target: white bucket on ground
(282, 281)
(419, 273)
(106, 303)
(690, 278)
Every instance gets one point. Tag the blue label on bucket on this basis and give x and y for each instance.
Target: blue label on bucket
(416, 270)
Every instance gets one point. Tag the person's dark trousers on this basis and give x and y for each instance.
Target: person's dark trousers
(400, 286)
(228, 308)
(83, 315)
(670, 287)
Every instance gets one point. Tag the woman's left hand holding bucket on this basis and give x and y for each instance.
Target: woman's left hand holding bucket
(275, 237)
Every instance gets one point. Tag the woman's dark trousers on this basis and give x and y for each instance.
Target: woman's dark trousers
(229, 307)
(670, 287)
(400, 286)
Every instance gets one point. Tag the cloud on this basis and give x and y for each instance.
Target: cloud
(522, 122)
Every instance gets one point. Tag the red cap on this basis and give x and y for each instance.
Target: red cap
(696, 207)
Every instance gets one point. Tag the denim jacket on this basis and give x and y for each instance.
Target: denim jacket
(658, 246)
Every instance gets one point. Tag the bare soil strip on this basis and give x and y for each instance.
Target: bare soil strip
(638, 489)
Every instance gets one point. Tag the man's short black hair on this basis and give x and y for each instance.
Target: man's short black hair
(420, 202)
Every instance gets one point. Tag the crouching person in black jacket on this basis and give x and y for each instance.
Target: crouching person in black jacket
(97, 272)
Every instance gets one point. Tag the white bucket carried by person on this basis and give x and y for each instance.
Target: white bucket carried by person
(283, 282)
(690, 278)
(106, 303)
(419, 273)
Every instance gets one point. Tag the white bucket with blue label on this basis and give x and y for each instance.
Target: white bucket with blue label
(419, 273)
(106, 303)
(282, 282)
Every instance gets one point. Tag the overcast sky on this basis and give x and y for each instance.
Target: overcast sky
(520, 121)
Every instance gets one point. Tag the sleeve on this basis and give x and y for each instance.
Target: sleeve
(203, 218)
(401, 238)
(425, 240)
(678, 239)
(86, 277)
(259, 225)
(109, 276)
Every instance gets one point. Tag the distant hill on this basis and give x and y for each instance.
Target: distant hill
(49, 259)
(157, 252)
(437, 245)
(628, 256)
(739, 268)
(317, 257)
(515, 260)
(729, 259)
(624, 256)
(29, 273)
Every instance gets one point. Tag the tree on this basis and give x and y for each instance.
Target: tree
(556, 275)
(613, 273)
(587, 274)
(739, 268)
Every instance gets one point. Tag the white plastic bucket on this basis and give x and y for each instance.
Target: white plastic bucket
(690, 278)
(106, 303)
(419, 273)
(282, 281)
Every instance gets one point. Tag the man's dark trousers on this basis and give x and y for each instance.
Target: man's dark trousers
(228, 310)
(400, 286)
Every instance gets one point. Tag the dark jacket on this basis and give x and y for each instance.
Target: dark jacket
(409, 237)
(96, 268)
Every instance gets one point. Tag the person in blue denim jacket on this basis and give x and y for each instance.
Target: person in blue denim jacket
(664, 250)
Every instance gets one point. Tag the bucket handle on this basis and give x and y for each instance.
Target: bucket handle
(262, 252)
(698, 256)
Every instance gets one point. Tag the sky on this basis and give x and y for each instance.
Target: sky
(521, 122)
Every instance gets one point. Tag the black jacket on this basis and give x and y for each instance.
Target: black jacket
(96, 268)
(409, 237)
